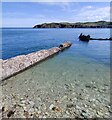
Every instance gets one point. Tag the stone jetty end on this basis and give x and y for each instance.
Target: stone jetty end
(18, 64)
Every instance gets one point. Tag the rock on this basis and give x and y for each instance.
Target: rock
(31, 110)
(3, 109)
(26, 114)
(21, 99)
(25, 108)
(70, 105)
(66, 86)
(31, 103)
(77, 107)
(99, 113)
(51, 106)
(10, 113)
(85, 105)
(28, 89)
(106, 85)
(64, 97)
(46, 113)
(54, 108)
(84, 114)
(67, 112)
(21, 105)
(88, 86)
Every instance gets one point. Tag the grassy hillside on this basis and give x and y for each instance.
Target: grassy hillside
(98, 24)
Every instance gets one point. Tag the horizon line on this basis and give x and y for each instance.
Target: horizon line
(50, 22)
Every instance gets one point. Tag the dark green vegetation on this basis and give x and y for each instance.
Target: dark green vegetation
(98, 24)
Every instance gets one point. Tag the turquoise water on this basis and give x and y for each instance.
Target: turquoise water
(82, 61)
(65, 77)
(80, 57)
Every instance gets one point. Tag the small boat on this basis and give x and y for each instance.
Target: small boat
(84, 37)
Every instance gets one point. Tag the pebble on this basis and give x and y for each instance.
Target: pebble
(85, 105)
(64, 97)
(31, 103)
(3, 109)
(21, 105)
(26, 114)
(25, 108)
(54, 108)
(51, 106)
(31, 110)
(10, 113)
(28, 89)
(99, 113)
(21, 99)
(85, 113)
(79, 103)
(70, 105)
(87, 86)
(77, 107)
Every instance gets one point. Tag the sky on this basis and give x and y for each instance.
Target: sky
(28, 14)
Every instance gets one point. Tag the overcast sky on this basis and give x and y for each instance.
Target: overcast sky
(27, 14)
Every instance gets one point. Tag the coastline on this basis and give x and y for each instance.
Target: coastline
(62, 87)
(41, 78)
(98, 24)
(46, 92)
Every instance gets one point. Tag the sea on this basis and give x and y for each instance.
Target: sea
(19, 41)
(84, 61)
(79, 66)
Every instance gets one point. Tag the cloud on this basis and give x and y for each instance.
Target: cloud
(66, 12)
(89, 7)
(59, 4)
(94, 14)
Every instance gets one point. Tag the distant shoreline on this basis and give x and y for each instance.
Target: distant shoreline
(98, 24)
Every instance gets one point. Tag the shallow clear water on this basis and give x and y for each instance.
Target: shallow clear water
(67, 73)
(82, 61)
(90, 60)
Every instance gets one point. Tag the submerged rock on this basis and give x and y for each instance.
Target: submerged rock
(54, 108)
(10, 113)
(70, 105)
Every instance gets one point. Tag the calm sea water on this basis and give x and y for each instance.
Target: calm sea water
(78, 75)
(82, 60)
(66, 74)
(24, 41)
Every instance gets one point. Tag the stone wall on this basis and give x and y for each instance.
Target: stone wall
(17, 64)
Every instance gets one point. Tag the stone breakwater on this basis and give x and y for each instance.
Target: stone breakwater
(17, 64)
